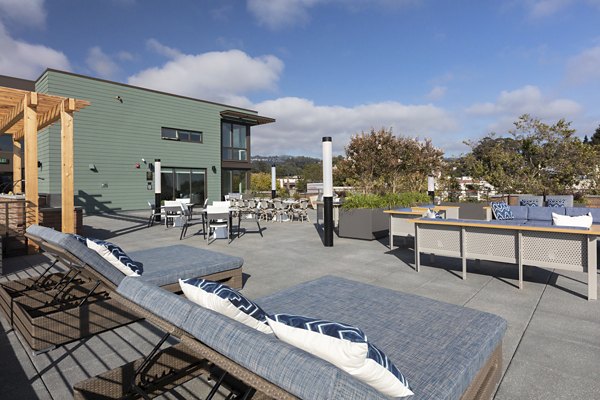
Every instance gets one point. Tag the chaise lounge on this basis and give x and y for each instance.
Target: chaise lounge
(445, 351)
(54, 309)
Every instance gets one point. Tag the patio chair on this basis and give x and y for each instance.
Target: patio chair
(217, 218)
(54, 309)
(153, 214)
(445, 351)
(300, 212)
(186, 216)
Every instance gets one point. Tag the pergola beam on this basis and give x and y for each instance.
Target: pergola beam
(13, 116)
(31, 170)
(67, 108)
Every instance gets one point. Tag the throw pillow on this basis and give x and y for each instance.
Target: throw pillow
(432, 214)
(225, 300)
(116, 256)
(528, 202)
(344, 346)
(502, 211)
(581, 221)
(556, 202)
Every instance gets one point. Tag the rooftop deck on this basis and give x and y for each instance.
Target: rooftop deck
(551, 348)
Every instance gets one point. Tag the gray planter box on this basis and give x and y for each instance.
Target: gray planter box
(363, 223)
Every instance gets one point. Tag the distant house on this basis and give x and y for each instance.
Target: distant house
(474, 189)
(204, 147)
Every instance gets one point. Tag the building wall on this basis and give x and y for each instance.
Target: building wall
(115, 135)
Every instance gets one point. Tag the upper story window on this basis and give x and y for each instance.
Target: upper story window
(235, 141)
(181, 135)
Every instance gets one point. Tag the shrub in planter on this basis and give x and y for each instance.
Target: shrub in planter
(362, 217)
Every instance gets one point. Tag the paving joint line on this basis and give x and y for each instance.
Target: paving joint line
(524, 331)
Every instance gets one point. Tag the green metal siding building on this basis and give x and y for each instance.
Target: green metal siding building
(204, 147)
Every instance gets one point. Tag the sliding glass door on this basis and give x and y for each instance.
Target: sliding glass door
(180, 183)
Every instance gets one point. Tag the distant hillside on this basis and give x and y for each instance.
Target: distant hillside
(286, 165)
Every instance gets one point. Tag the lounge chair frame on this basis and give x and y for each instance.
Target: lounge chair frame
(74, 304)
(108, 385)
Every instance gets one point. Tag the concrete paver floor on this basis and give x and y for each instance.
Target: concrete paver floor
(551, 348)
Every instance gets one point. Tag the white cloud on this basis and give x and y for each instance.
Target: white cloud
(301, 124)
(28, 12)
(437, 93)
(526, 100)
(163, 50)
(276, 14)
(17, 57)
(585, 66)
(219, 76)
(101, 63)
(125, 56)
(26, 60)
(544, 8)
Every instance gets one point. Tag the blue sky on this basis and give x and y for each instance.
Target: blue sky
(446, 70)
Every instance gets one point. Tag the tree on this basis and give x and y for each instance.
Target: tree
(595, 139)
(536, 157)
(379, 162)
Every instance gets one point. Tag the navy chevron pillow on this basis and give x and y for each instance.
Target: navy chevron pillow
(225, 300)
(502, 211)
(345, 346)
(116, 256)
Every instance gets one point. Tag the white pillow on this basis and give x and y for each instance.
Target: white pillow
(225, 300)
(116, 256)
(344, 346)
(581, 221)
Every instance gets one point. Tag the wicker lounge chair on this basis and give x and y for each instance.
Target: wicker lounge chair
(445, 351)
(54, 309)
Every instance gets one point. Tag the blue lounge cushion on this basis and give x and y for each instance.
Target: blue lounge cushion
(501, 211)
(166, 265)
(439, 347)
(528, 202)
(556, 202)
(344, 346)
(116, 256)
(227, 301)
(543, 213)
(519, 212)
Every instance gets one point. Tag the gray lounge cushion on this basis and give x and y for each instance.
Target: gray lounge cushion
(507, 222)
(166, 265)
(543, 213)
(576, 211)
(439, 347)
(298, 372)
(519, 212)
(79, 250)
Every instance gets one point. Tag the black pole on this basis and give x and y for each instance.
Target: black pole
(327, 193)
(328, 221)
(431, 194)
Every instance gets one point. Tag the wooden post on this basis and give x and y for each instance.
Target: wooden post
(17, 167)
(67, 181)
(31, 168)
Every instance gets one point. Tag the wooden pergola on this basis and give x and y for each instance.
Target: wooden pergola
(22, 115)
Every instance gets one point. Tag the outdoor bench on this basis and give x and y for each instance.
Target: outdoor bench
(445, 351)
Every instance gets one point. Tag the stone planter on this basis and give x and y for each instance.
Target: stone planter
(363, 223)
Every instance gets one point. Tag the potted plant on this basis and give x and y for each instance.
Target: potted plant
(362, 217)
